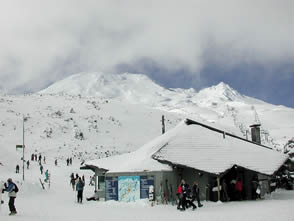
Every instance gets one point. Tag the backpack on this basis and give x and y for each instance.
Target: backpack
(15, 188)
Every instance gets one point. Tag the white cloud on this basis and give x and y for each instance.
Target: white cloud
(41, 40)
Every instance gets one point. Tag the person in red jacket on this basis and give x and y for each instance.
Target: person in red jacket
(238, 189)
(180, 197)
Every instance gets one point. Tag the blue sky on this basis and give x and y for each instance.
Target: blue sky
(190, 43)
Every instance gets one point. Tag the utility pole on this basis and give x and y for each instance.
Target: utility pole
(163, 124)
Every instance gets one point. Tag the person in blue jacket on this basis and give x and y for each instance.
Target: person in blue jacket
(11, 189)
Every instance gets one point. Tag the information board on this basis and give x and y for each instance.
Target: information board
(145, 182)
(111, 188)
(128, 188)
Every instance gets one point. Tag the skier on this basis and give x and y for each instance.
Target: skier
(67, 162)
(72, 181)
(1, 191)
(44, 160)
(32, 157)
(55, 162)
(80, 188)
(41, 169)
(40, 158)
(28, 164)
(12, 190)
(70, 161)
(46, 175)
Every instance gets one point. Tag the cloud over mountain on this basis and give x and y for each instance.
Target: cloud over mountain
(44, 41)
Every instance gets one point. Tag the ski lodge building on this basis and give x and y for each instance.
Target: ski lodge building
(191, 151)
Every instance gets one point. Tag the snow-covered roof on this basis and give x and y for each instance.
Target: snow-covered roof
(139, 160)
(196, 146)
(213, 151)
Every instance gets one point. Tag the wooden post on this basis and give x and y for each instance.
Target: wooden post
(95, 181)
(218, 188)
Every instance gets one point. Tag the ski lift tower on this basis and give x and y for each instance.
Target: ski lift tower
(19, 146)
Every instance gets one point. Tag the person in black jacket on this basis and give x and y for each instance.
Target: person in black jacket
(80, 188)
(186, 200)
(196, 193)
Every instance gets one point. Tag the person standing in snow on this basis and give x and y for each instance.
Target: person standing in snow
(55, 162)
(11, 189)
(182, 201)
(17, 169)
(238, 189)
(80, 188)
(196, 193)
(28, 164)
(225, 195)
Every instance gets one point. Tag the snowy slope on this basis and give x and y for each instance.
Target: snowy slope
(54, 125)
(94, 115)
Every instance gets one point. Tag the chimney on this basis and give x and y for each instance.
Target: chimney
(255, 133)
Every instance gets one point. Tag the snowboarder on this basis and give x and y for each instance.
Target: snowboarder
(17, 169)
(28, 164)
(12, 190)
(80, 188)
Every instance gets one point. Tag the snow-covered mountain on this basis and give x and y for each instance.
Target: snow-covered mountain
(92, 115)
(218, 104)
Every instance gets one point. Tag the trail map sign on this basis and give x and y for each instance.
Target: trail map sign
(128, 188)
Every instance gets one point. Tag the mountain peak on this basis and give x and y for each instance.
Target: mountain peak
(221, 91)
